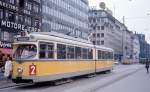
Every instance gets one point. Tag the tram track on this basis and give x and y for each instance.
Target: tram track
(15, 85)
(94, 89)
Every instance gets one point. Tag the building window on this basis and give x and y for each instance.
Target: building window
(98, 19)
(102, 42)
(11, 1)
(98, 42)
(102, 20)
(98, 35)
(28, 6)
(94, 28)
(94, 19)
(102, 34)
(6, 36)
(94, 42)
(10, 16)
(36, 23)
(95, 13)
(36, 8)
(20, 19)
(1, 14)
(0, 34)
(102, 27)
(21, 3)
(28, 20)
(94, 35)
(98, 27)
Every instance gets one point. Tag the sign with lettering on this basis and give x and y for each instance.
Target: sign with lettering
(7, 5)
(22, 38)
(32, 69)
(5, 45)
(17, 26)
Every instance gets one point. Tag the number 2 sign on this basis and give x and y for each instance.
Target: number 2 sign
(32, 69)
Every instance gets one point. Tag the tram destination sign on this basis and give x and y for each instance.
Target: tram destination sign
(23, 39)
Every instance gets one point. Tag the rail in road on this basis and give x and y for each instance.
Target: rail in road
(94, 88)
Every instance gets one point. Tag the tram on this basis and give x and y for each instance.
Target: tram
(50, 56)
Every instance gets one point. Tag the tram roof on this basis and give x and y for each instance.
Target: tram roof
(54, 36)
(59, 35)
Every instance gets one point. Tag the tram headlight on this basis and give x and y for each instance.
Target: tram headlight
(20, 70)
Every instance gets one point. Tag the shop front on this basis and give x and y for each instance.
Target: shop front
(5, 52)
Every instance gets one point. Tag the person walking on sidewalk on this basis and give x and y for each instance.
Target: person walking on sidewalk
(8, 68)
(147, 65)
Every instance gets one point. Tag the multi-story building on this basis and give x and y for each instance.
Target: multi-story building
(144, 48)
(17, 16)
(66, 16)
(136, 48)
(109, 32)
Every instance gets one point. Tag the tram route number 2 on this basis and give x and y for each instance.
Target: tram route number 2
(32, 69)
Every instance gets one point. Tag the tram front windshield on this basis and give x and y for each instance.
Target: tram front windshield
(25, 52)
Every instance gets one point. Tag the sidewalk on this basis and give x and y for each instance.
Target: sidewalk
(4, 82)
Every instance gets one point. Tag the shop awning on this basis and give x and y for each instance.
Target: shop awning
(6, 51)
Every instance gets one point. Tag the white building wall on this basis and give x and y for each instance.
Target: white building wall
(116, 35)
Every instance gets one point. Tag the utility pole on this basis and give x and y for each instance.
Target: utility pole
(123, 19)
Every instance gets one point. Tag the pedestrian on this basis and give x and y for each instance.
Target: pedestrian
(147, 66)
(8, 68)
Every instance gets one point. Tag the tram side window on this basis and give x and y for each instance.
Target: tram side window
(61, 51)
(99, 54)
(46, 50)
(84, 53)
(90, 54)
(50, 51)
(103, 55)
(111, 55)
(70, 52)
(106, 55)
(42, 50)
(77, 52)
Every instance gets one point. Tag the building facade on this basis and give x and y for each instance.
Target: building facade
(144, 48)
(69, 17)
(109, 32)
(136, 48)
(17, 16)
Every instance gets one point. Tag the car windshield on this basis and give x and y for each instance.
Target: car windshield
(25, 52)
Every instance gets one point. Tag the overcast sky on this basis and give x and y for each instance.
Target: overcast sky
(136, 12)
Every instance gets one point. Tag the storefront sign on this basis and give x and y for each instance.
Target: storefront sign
(12, 25)
(5, 45)
(6, 5)
(17, 26)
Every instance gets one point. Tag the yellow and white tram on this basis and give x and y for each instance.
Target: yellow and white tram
(43, 56)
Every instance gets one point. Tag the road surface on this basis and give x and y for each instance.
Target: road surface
(121, 76)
